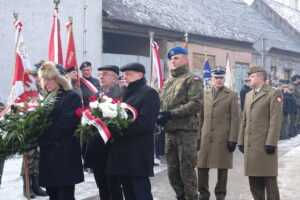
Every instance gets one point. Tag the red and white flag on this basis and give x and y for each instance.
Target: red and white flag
(24, 86)
(71, 53)
(55, 49)
(156, 76)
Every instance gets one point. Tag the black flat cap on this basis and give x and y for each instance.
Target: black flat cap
(70, 69)
(85, 64)
(134, 67)
(113, 68)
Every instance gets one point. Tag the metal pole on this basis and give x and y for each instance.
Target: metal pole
(84, 30)
(263, 52)
(151, 34)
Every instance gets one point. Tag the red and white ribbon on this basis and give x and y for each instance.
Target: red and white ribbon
(98, 123)
(133, 111)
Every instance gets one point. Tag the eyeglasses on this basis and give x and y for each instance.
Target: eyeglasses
(105, 74)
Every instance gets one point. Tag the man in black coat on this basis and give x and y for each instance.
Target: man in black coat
(97, 151)
(60, 156)
(246, 88)
(131, 156)
(87, 90)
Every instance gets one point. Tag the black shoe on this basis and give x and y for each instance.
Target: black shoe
(180, 198)
(36, 187)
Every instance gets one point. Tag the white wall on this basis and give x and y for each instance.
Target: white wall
(36, 16)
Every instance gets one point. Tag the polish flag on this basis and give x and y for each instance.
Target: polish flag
(156, 76)
(71, 54)
(55, 49)
(24, 86)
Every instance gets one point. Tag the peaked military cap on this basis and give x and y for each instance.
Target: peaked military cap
(177, 50)
(70, 69)
(255, 69)
(134, 67)
(85, 64)
(218, 71)
(113, 68)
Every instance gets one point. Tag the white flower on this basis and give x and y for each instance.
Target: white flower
(21, 113)
(123, 114)
(123, 105)
(94, 104)
(1, 118)
(109, 110)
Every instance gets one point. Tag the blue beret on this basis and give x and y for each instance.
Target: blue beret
(177, 50)
(85, 64)
(218, 72)
(113, 68)
(134, 67)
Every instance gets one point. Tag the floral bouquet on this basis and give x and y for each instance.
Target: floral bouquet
(23, 123)
(105, 116)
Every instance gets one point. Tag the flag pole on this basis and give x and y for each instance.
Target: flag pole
(27, 184)
(186, 39)
(151, 34)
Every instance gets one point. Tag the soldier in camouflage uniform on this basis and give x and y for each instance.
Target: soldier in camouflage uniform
(181, 98)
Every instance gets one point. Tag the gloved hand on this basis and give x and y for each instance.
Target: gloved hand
(241, 148)
(231, 146)
(270, 149)
(163, 118)
(198, 144)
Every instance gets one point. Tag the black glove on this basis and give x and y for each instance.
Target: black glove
(241, 148)
(270, 149)
(163, 118)
(231, 146)
(198, 144)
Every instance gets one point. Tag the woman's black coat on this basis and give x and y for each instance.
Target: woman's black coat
(133, 153)
(60, 157)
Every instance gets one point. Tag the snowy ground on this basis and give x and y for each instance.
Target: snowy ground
(288, 179)
(11, 187)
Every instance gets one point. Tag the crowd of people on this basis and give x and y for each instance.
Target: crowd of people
(190, 127)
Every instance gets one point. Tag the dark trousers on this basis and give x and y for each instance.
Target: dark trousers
(136, 188)
(61, 193)
(203, 186)
(109, 186)
(262, 186)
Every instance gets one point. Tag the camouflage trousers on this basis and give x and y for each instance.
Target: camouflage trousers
(285, 126)
(293, 123)
(2, 160)
(181, 154)
(33, 162)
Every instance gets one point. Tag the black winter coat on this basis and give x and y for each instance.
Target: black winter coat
(60, 156)
(133, 154)
(243, 93)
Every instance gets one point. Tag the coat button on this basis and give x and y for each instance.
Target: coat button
(210, 141)
(249, 133)
(249, 145)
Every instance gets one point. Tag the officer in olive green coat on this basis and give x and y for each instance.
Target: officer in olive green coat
(219, 129)
(259, 133)
(181, 98)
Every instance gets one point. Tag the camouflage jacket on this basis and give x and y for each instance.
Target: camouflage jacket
(182, 95)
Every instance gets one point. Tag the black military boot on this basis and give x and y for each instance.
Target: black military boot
(31, 195)
(36, 187)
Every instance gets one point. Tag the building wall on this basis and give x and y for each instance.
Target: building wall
(275, 19)
(36, 17)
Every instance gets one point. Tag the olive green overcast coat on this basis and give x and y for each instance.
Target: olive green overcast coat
(220, 124)
(260, 126)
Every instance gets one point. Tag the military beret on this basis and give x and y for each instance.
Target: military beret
(36, 67)
(70, 69)
(85, 64)
(113, 68)
(134, 67)
(177, 50)
(255, 69)
(218, 72)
